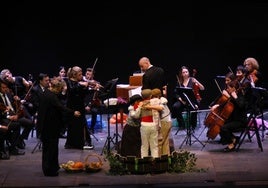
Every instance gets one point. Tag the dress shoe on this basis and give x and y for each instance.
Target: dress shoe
(4, 155)
(88, 147)
(21, 145)
(229, 149)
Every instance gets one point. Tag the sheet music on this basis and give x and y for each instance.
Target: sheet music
(132, 92)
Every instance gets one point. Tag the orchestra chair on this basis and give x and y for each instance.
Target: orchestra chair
(185, 119)
(256, 110)
(34, 119)
(251, 129)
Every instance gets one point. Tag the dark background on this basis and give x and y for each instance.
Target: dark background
(39, 36)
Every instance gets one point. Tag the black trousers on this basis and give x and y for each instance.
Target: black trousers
(50, 154)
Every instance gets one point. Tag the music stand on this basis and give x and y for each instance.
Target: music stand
(258, 95)
(106, 94)
(188, 96)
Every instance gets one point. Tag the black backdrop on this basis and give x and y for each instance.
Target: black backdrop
(39, 36)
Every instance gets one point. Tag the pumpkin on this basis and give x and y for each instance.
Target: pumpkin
(78, 164)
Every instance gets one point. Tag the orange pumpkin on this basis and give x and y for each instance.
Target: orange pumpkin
(78, 164)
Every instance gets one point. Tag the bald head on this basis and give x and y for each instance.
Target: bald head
(144, 63)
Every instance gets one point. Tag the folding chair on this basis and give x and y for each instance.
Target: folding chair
(251, 126)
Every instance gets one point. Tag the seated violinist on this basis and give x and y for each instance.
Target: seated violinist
(15, 113)
(237, 118)
(11, 120)
(253, 73)
(20, 87)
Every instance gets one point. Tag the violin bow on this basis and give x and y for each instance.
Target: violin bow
(29, 90)
(218, 85)
(230, 69)
(178, 80)
(94, 65)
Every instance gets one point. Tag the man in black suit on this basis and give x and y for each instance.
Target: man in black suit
(13, 118)
(153, 77)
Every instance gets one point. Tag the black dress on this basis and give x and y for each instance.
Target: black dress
(77, 132)
(131, 137)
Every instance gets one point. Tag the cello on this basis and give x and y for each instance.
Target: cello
(217, 117)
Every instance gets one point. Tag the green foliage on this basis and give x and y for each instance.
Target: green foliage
(178, 162)
(116, 163)
(182, 161)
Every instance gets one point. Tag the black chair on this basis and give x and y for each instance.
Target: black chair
(255, 111)
(250, 130)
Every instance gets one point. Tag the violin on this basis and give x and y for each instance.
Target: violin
(3, 107)
(92, 84)
(253, 76)
(196, 88)
(6, 110)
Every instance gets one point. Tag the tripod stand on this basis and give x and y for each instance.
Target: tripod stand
(110, 139)
(38, 145)
(107, 90)
(189, 129)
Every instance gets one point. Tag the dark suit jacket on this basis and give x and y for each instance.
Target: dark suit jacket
(50, 115)
(11, 101)
(153, 78)
(36, 93)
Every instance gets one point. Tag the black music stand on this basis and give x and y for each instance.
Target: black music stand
(107, 92)
(188, 96)
(38, 145)
(258, 96)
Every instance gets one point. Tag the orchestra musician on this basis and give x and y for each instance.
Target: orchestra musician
(14, 121)
(184, 80)
(78, 136)
(63, 97)
(245, 83)
(92, 101)
(253, 73)
(233, 103)
(19, 87)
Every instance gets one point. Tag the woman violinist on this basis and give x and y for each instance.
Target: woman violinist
(237, 118)
(184, 80)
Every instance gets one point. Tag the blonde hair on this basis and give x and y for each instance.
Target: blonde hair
(57, 85)
(156, 93)
(254, 63)
(72, 72)
(146, 93)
